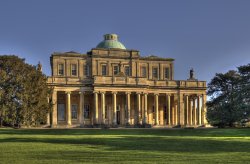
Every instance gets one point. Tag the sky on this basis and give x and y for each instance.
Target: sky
(210, 36)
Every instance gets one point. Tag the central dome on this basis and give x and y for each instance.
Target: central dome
(111, 41)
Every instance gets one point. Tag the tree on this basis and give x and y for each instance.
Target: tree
(23, 96)
(228, 104)
(244, 92)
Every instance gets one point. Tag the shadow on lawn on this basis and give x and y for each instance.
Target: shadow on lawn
(165, 144)
(244, 132)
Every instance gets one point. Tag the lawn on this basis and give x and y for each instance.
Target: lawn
(124, 146)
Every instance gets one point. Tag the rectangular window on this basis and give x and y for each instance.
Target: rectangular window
(86, 70)
(73, 111)
(61, 112)
(60, 69)
(155, 72)
(166, 73)
(73, 69)
(127, 70)
(153, 109)
(143, 72)
(104, 70)
(86, 111)
(116, 70)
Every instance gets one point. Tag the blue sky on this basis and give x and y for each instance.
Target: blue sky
(209, 35)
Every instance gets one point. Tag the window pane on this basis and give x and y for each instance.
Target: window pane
(127, 71)
(116, 70)
(104, 70)
(165, 113)
(61, 112)
(73, 69)
(60, 69)
(86, 70)
(143, 72)
(106, 112)
(86, 111)
(74, 111)
(166, 73)
(155, 72)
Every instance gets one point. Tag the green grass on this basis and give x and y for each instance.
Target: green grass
(124, 146)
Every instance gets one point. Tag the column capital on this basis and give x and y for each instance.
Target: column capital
(96, 92)
(145, 93)
(81, 92)
(102, 92)
(156, 94)
(168, 94)
(114, 92)
(138, 93)
(127, 93)
(199, 95)
(67, 92)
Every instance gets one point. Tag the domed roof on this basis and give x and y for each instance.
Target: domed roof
(111, 41)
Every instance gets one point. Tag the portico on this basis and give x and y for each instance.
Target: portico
(127, 108)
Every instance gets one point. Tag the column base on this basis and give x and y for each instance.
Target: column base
(54, 126)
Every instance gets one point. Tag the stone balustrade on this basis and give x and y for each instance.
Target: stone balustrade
(120, 80)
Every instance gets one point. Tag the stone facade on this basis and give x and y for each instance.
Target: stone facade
(118, 87)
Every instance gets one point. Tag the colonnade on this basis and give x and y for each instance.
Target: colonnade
(194, 110)
(191, 114)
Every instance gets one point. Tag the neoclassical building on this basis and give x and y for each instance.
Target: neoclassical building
(114, 86)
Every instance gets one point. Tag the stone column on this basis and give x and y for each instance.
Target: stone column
(168, 108)
(54, 110)
(68, 109)
(186, 110)
(176, 119)
(203, 112)
(139, 107)
(199, 110)
(173, 115)
(103, 106)
(114, 108)
(48, 114)
(190, 112)
(180, 109)
(145, 108)
(156, 109)
(128, 107)
(81, 106)
(173, 111)
(96, 107)
(194, 110)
